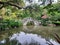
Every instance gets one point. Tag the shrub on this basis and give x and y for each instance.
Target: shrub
(9, 24)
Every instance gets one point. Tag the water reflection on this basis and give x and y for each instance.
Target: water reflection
(28, 39)
(30, 28)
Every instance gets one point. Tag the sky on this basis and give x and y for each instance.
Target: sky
(37, 2)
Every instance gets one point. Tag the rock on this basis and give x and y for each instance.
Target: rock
(51, 25)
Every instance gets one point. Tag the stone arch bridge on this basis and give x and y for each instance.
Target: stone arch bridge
(29, 19)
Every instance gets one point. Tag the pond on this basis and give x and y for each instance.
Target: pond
(30, 35)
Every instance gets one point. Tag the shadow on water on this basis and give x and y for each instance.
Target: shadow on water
(27, 39)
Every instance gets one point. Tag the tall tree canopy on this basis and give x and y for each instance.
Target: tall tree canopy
(17, 3)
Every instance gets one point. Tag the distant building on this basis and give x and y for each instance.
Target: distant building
(39, 2)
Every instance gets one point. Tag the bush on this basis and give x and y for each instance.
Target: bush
(3, 25)
(9, 24)
(45, 22)
(57, 23)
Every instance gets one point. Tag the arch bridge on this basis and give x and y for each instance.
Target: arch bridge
(30, 19)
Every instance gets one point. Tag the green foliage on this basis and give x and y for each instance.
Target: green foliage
(8, 12)
(13, 24)
(53, 12)
(34, 11)
(45, 22)
(9, 24)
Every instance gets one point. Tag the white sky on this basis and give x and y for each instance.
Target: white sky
(36, 1)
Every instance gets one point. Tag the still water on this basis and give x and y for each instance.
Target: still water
(30, 35)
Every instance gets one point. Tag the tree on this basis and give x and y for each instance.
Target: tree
(15, 3)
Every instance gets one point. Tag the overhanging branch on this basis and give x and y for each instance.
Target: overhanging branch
(4, 4)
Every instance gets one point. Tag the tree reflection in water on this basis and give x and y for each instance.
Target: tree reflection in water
(27, 39)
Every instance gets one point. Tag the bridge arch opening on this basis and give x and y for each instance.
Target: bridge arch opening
(30, 23)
